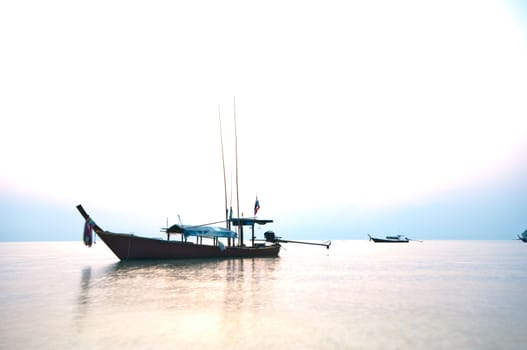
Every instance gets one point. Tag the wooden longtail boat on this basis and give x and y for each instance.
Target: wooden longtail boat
(129, 246)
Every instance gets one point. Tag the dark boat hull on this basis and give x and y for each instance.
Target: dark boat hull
(128, 247)
(380, 240)
(384, 240)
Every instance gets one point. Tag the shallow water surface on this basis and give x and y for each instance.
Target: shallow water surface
(358, 294)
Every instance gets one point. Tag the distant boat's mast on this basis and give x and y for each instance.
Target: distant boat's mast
(240, 232)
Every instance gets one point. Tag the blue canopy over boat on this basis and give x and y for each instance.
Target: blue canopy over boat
(202, 231)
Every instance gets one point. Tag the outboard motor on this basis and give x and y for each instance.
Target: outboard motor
(270, 236)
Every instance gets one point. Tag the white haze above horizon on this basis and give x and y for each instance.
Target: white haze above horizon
(347, 109)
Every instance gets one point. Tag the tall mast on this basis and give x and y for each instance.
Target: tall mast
(240, 232)
(224, 177)
(230, 205)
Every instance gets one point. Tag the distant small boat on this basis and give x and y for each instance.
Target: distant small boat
(390, 239)
(523, 236)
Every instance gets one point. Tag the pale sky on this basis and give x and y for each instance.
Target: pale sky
(367, 116)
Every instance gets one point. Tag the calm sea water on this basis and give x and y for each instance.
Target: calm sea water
(357, 295)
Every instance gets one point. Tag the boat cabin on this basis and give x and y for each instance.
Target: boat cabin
(215, 233)
(251, 222)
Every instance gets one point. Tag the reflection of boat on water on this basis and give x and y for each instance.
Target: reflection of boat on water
(390, 239)
(173, 289)
(523, 236)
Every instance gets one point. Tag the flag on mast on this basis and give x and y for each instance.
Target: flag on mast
(256, 206)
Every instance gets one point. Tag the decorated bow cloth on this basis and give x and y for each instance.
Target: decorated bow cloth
(88, 231)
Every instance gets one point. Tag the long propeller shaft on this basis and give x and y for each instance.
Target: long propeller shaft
(310, 243)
